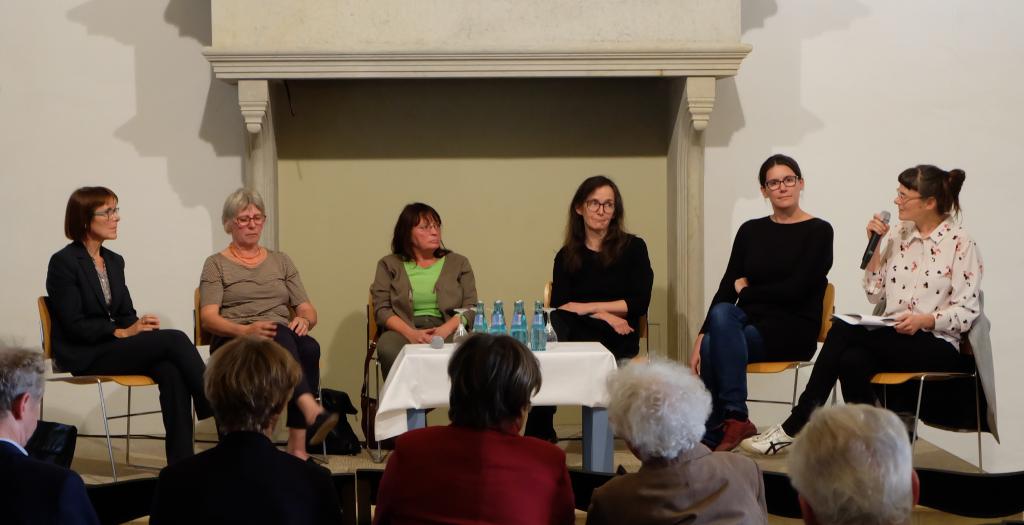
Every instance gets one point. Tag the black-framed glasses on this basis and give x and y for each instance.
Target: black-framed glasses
(788, 181)
(108, 213)
(257, 219)
(593, 205)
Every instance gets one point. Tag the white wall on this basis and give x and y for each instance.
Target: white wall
(113, 93)
(857, 91)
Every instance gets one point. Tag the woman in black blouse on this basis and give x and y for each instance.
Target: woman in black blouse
(768, 306)
(601, 281)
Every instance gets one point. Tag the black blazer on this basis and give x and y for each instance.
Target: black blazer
(81, 319)
(33, 492)
(245, 479)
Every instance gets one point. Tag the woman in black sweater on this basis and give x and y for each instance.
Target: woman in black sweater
(768, 306)
(601, 281)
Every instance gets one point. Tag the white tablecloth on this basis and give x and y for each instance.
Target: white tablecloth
(573, 374)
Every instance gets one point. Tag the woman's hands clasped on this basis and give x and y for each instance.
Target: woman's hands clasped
(146, 323)
(620, 325)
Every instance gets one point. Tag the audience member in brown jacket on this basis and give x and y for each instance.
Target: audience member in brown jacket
(659, 408)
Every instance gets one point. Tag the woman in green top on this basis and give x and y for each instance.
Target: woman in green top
(418, 286)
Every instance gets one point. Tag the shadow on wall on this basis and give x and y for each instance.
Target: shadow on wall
(169, 71)
(777, 70)
(471, 118)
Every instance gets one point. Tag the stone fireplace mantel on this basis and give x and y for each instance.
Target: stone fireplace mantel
(693, 42)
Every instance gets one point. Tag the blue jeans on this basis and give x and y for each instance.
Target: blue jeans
(730, 342)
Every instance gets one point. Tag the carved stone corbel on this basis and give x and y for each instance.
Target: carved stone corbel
(254, 99)
(700, 100)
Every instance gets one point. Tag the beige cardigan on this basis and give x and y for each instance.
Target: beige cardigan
(392, 291)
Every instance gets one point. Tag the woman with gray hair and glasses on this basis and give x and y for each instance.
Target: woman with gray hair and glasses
(659, 409)
(247, 289)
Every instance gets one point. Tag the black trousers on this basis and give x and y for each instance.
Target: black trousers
(853, 355)
(572, 327)
(170, 358)
(306, 352)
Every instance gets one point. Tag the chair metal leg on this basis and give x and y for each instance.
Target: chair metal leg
(379, 456)
(977, 416)
(796, 379)
(917, 415)
(128, 430)
(106, 429)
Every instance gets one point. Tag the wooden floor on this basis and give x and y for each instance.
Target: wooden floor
(91, 461)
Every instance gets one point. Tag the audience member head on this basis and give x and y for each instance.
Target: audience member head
(243, 202)
(596, 206)
(493, 378)
(248, 382)
(81, 212)
(851, 465)
(418, 229)
(932, 188)
(659, 407)
(21, 393)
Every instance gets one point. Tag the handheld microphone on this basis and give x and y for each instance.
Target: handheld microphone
(436, 342)
(869, 252)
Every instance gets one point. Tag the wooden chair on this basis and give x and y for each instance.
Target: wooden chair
(898, 378)
(641, 323)
(128, 381)
(774, 367)
(368, 403)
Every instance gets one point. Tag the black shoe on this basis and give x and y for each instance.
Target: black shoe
(322, 425)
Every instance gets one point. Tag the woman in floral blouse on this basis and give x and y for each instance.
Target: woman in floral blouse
(927, 273)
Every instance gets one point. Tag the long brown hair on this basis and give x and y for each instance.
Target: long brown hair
(930, 181)
(412, 214)
(615, 239)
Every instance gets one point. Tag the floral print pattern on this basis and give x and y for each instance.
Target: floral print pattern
(939, 274)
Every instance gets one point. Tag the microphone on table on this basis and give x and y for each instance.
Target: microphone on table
(437, 342)
(869, 252)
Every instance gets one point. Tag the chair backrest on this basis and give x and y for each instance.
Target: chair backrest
(547, 294)
(199, 335)
(828, 307)
(45, 326)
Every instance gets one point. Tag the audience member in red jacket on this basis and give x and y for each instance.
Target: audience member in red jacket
(479, 469)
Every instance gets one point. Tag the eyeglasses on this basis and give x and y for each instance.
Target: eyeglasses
(108, 213)
(255, 219)
(788, 181)
(903, 198)
(593, 205)
(429, 226)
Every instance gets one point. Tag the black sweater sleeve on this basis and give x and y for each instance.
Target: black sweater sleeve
(733, 270)
(640, 279)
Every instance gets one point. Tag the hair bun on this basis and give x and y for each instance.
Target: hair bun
(956, 179)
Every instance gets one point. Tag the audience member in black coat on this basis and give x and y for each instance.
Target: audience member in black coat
(245, 479)
(31, 491)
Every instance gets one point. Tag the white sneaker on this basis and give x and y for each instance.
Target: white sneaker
(769, 443)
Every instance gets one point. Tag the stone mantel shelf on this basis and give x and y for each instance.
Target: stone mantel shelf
(716, 61)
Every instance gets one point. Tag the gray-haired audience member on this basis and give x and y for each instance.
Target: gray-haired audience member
(851, 464)
(659, 408)
(32, 491)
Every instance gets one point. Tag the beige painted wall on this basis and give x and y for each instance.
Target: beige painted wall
(482, 155)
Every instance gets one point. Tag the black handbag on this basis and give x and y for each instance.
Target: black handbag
(342, 439)
(53, 443)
